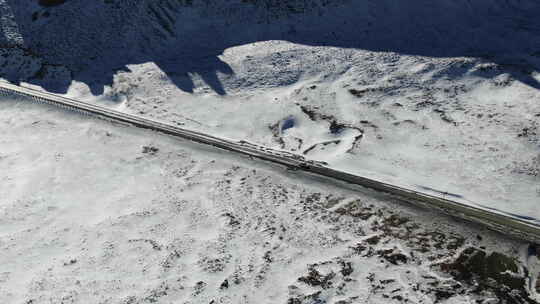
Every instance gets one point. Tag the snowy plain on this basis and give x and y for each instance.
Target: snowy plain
(94, 212)
(441, 97)
(487, 150)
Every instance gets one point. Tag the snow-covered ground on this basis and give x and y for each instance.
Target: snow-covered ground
(442, 97)
(382, 115)
(93, 212)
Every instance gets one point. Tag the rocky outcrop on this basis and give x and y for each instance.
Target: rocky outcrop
(493, 274)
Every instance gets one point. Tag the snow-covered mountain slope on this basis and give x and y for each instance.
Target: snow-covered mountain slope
(94, 212)
(439, 95)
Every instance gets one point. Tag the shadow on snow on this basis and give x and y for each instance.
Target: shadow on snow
(506, 32)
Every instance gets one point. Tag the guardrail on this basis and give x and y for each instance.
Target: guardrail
(506, 224)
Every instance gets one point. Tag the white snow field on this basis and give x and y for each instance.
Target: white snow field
(439, 96)
(96, 212)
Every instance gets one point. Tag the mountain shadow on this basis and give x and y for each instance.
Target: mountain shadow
(95, 39)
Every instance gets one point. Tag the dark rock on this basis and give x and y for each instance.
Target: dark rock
(71, 262)
(358, 93)
(315, 278)
(443, 294)
(495, 273)
(312, 299)
(374, 240)
(199, 287)
(346, 268)
(149, 150)
(356, 209)
(224, 285)
(392, 256)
